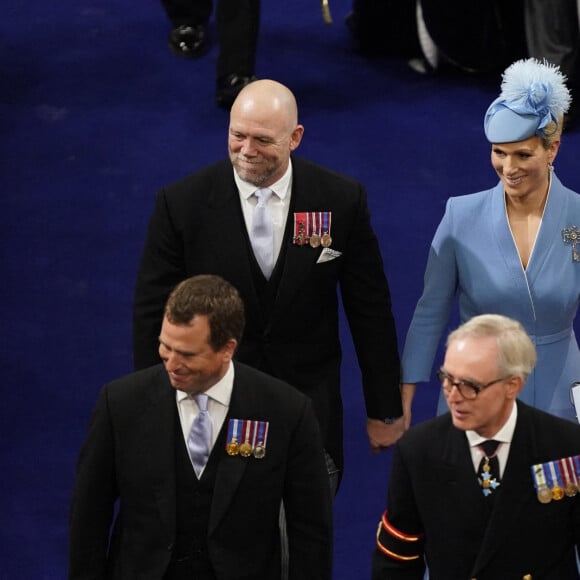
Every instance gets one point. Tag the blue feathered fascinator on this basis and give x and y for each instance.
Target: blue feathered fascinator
(533, 93)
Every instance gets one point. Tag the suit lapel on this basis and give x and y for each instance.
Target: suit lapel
(505, 244)
(515, 491)
(157, 428)
(553, 220)
(230, 468)
(299, 260)
(458, 473)
(228, 239)
(468, 509)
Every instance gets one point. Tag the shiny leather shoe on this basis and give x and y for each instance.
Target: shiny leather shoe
(189, 41)
(228, 88)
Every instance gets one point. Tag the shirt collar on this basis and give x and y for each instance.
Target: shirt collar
(220, 392)
(504, 435)
(281, 187)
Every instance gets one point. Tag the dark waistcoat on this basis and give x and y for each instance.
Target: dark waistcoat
(193, 504)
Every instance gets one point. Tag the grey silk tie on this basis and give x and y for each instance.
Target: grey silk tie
(199, 440)
(262, 236)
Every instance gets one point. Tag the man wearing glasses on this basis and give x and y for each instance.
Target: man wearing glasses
(490, 490)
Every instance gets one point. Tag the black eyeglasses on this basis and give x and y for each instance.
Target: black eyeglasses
(467, 389)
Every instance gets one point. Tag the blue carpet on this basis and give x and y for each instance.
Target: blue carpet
(96, 115)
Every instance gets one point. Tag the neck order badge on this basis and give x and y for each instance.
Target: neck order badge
(488, 472)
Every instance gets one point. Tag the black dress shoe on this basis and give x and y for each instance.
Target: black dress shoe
(189, 41)
(228, 88)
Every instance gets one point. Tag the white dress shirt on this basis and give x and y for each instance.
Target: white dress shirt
(278, 205)
(504, 436)
(219, 397)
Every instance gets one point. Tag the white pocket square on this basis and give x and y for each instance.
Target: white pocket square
(328, 254)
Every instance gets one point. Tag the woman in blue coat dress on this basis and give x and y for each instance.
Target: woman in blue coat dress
(513, 249)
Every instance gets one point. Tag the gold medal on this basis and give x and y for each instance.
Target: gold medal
(259, 451)
(314, 230)
(555, 477)
(245, 449)
(232, 448)
(570, 489)
(557, 492)
(232, 445)
(544, 494)
(246, 446)
(326, 240)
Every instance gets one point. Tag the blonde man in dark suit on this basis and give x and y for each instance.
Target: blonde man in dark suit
(509, 512)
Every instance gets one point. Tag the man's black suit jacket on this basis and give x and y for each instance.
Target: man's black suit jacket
(197, 227)
(434, 490)
(129, 456)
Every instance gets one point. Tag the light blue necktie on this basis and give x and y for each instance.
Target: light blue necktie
(262, 235)
(199, 440)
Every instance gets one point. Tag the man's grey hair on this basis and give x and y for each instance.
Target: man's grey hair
(516, 352)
